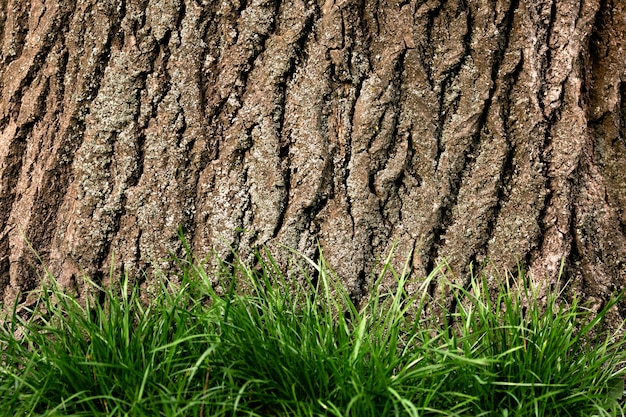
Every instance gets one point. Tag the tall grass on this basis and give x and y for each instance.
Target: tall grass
(267, 346)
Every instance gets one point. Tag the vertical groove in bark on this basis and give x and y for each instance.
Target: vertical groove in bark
(470, 131)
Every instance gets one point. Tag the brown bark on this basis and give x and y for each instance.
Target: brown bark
(471, 130)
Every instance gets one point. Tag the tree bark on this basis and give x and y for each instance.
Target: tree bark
(469, 130)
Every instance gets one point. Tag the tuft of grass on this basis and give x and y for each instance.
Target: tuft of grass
(545, 359)
(267, 346)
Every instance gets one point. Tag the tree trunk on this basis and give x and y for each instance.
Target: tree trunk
(470, 130)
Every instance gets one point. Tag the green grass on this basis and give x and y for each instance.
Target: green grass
(267, 346)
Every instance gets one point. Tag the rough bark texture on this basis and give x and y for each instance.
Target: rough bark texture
(464, 129)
